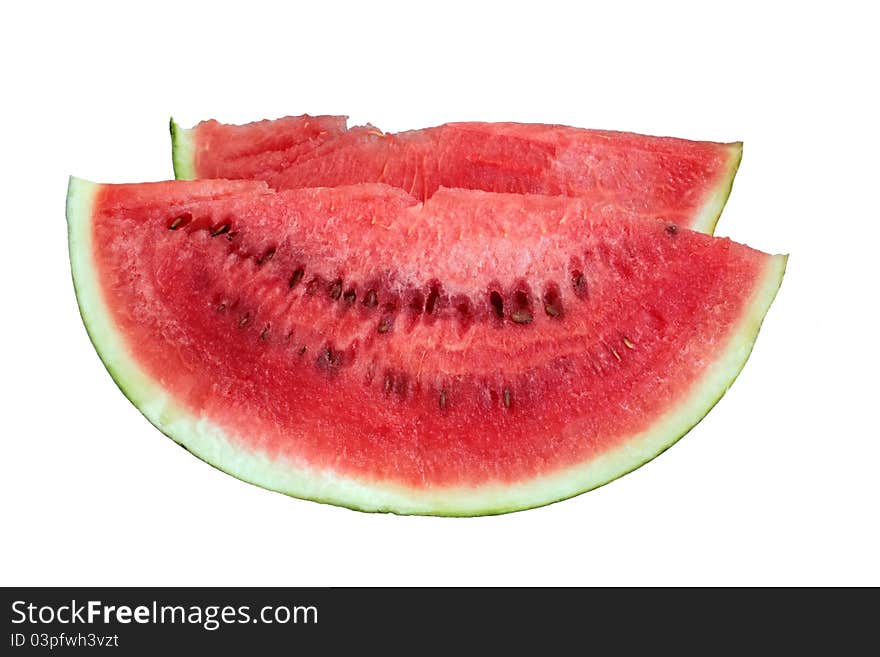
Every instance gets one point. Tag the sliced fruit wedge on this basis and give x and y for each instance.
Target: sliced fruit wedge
(683, 181)
(476, 353)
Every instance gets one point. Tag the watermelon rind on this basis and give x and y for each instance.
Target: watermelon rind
(182, 152)
(707, 218)
(214, 445)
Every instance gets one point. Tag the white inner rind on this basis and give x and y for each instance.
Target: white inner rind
(213, 444)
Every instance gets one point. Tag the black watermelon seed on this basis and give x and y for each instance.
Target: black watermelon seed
(521, 316)
(552, 309)
(385, 324)
(497, 303)
(312, 286)
(552, 300)
(220, 230)
(329, 359)
(296, 277)
(266, 257)
(336, 289)
(180, 221)
(433, 297)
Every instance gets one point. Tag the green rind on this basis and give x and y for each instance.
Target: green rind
(716, 198)
(210, 443)
(182, 152)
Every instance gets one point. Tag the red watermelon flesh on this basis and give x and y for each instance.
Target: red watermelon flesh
(683, 181)
(475, 353)
(262, 148)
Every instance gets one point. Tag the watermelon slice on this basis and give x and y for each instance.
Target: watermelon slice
(476, 353)
(686, 182)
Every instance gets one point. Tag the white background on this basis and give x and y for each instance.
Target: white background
(778, 485)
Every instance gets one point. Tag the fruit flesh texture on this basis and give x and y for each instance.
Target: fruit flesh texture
(262, 148)
(682, 181)
(305, 371)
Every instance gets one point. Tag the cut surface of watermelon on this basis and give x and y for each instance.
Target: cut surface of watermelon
(476, 353)
(683, 181)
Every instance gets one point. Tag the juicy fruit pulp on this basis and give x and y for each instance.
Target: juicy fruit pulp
(683, 181)
(475, 353)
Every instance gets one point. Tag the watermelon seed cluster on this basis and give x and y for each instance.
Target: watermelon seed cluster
(521, 313)
(518, 309)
